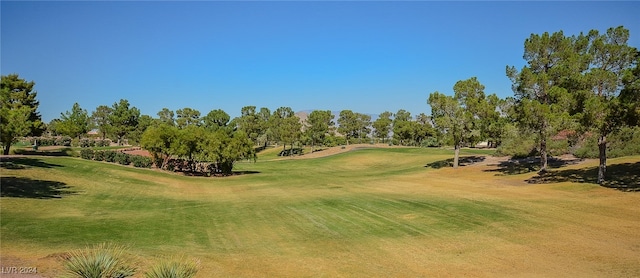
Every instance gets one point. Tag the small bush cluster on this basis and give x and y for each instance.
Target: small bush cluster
(291, 152)
(117, 157)
(90, 143)
(51, 141)
(623, 142)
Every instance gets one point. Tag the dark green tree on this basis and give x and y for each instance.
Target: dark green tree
(18, 110)
(167, 116)
(123, 119)
(216, 119)
(188, 116)
(382, 125)
(348, 124)
(319, 124)
(100, 118)
(611, 59)
(542, 102)
(74, 123)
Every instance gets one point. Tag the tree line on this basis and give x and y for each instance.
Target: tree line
(583, 85)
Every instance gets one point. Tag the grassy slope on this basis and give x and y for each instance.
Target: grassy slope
(364, 213)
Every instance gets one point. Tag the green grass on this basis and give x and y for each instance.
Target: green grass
(373, 203)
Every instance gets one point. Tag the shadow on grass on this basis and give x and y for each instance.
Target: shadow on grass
(57, 152)
(527, 165)
(624, 177)
(462, 161)
(234, 173)
(16, 163)
(36, 189)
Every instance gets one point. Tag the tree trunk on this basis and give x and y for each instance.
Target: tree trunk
(455, 156)
(6, 148)
(543, 155)
(602, 169)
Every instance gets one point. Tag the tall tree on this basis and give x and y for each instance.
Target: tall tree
(459, 116)
(188, 116)
(123, 119)
(100, 118)
(611, 59)
(216, 119)
(363, 123)
(285, 125)
(318, 125)
(249, 122)
(74, 123)
(630, 94)
(402, 127)
(382, 125)
(265, 131)
(167, 116)
(348, 124)
(541, 101)
(18, 110)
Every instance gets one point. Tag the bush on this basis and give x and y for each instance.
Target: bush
(430, 142)
(102, 143)
(86, 143)
(122, 158)
(558, 147)
(63, 141)
(87, 154)
(290, 152)
(98, 262)
(623, 142)
(110, 156)
(141, 161)
(75, 142)
(98, 156)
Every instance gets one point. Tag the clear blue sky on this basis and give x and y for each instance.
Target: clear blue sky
(365, 56)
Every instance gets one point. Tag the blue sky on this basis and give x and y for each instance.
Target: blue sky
(365, 56)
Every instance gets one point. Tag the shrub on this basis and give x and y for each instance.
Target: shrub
(98, 156)
(63, 141)
(98, 262)
(110, 156)
(122, 158)
(290, 152)
(558, 147)
(430, 142)
(75, 142)
(87, 154)
(86, 143)
(623, 142)
(141, 161)
(173, 268)
(103, 143)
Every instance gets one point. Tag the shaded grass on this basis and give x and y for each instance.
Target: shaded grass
(624, 176)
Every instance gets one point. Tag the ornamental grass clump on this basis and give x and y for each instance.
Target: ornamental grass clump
(100, 261)
(173, 268)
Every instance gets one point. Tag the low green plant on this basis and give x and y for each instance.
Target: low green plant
(122, 158)
(110, 156)
(100, 261)
(173, 268)
(87, 154)
(141, 161)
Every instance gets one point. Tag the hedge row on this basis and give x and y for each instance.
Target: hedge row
(69, 142)
(117, 157)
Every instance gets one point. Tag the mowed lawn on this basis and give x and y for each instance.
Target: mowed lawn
(365, 213)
